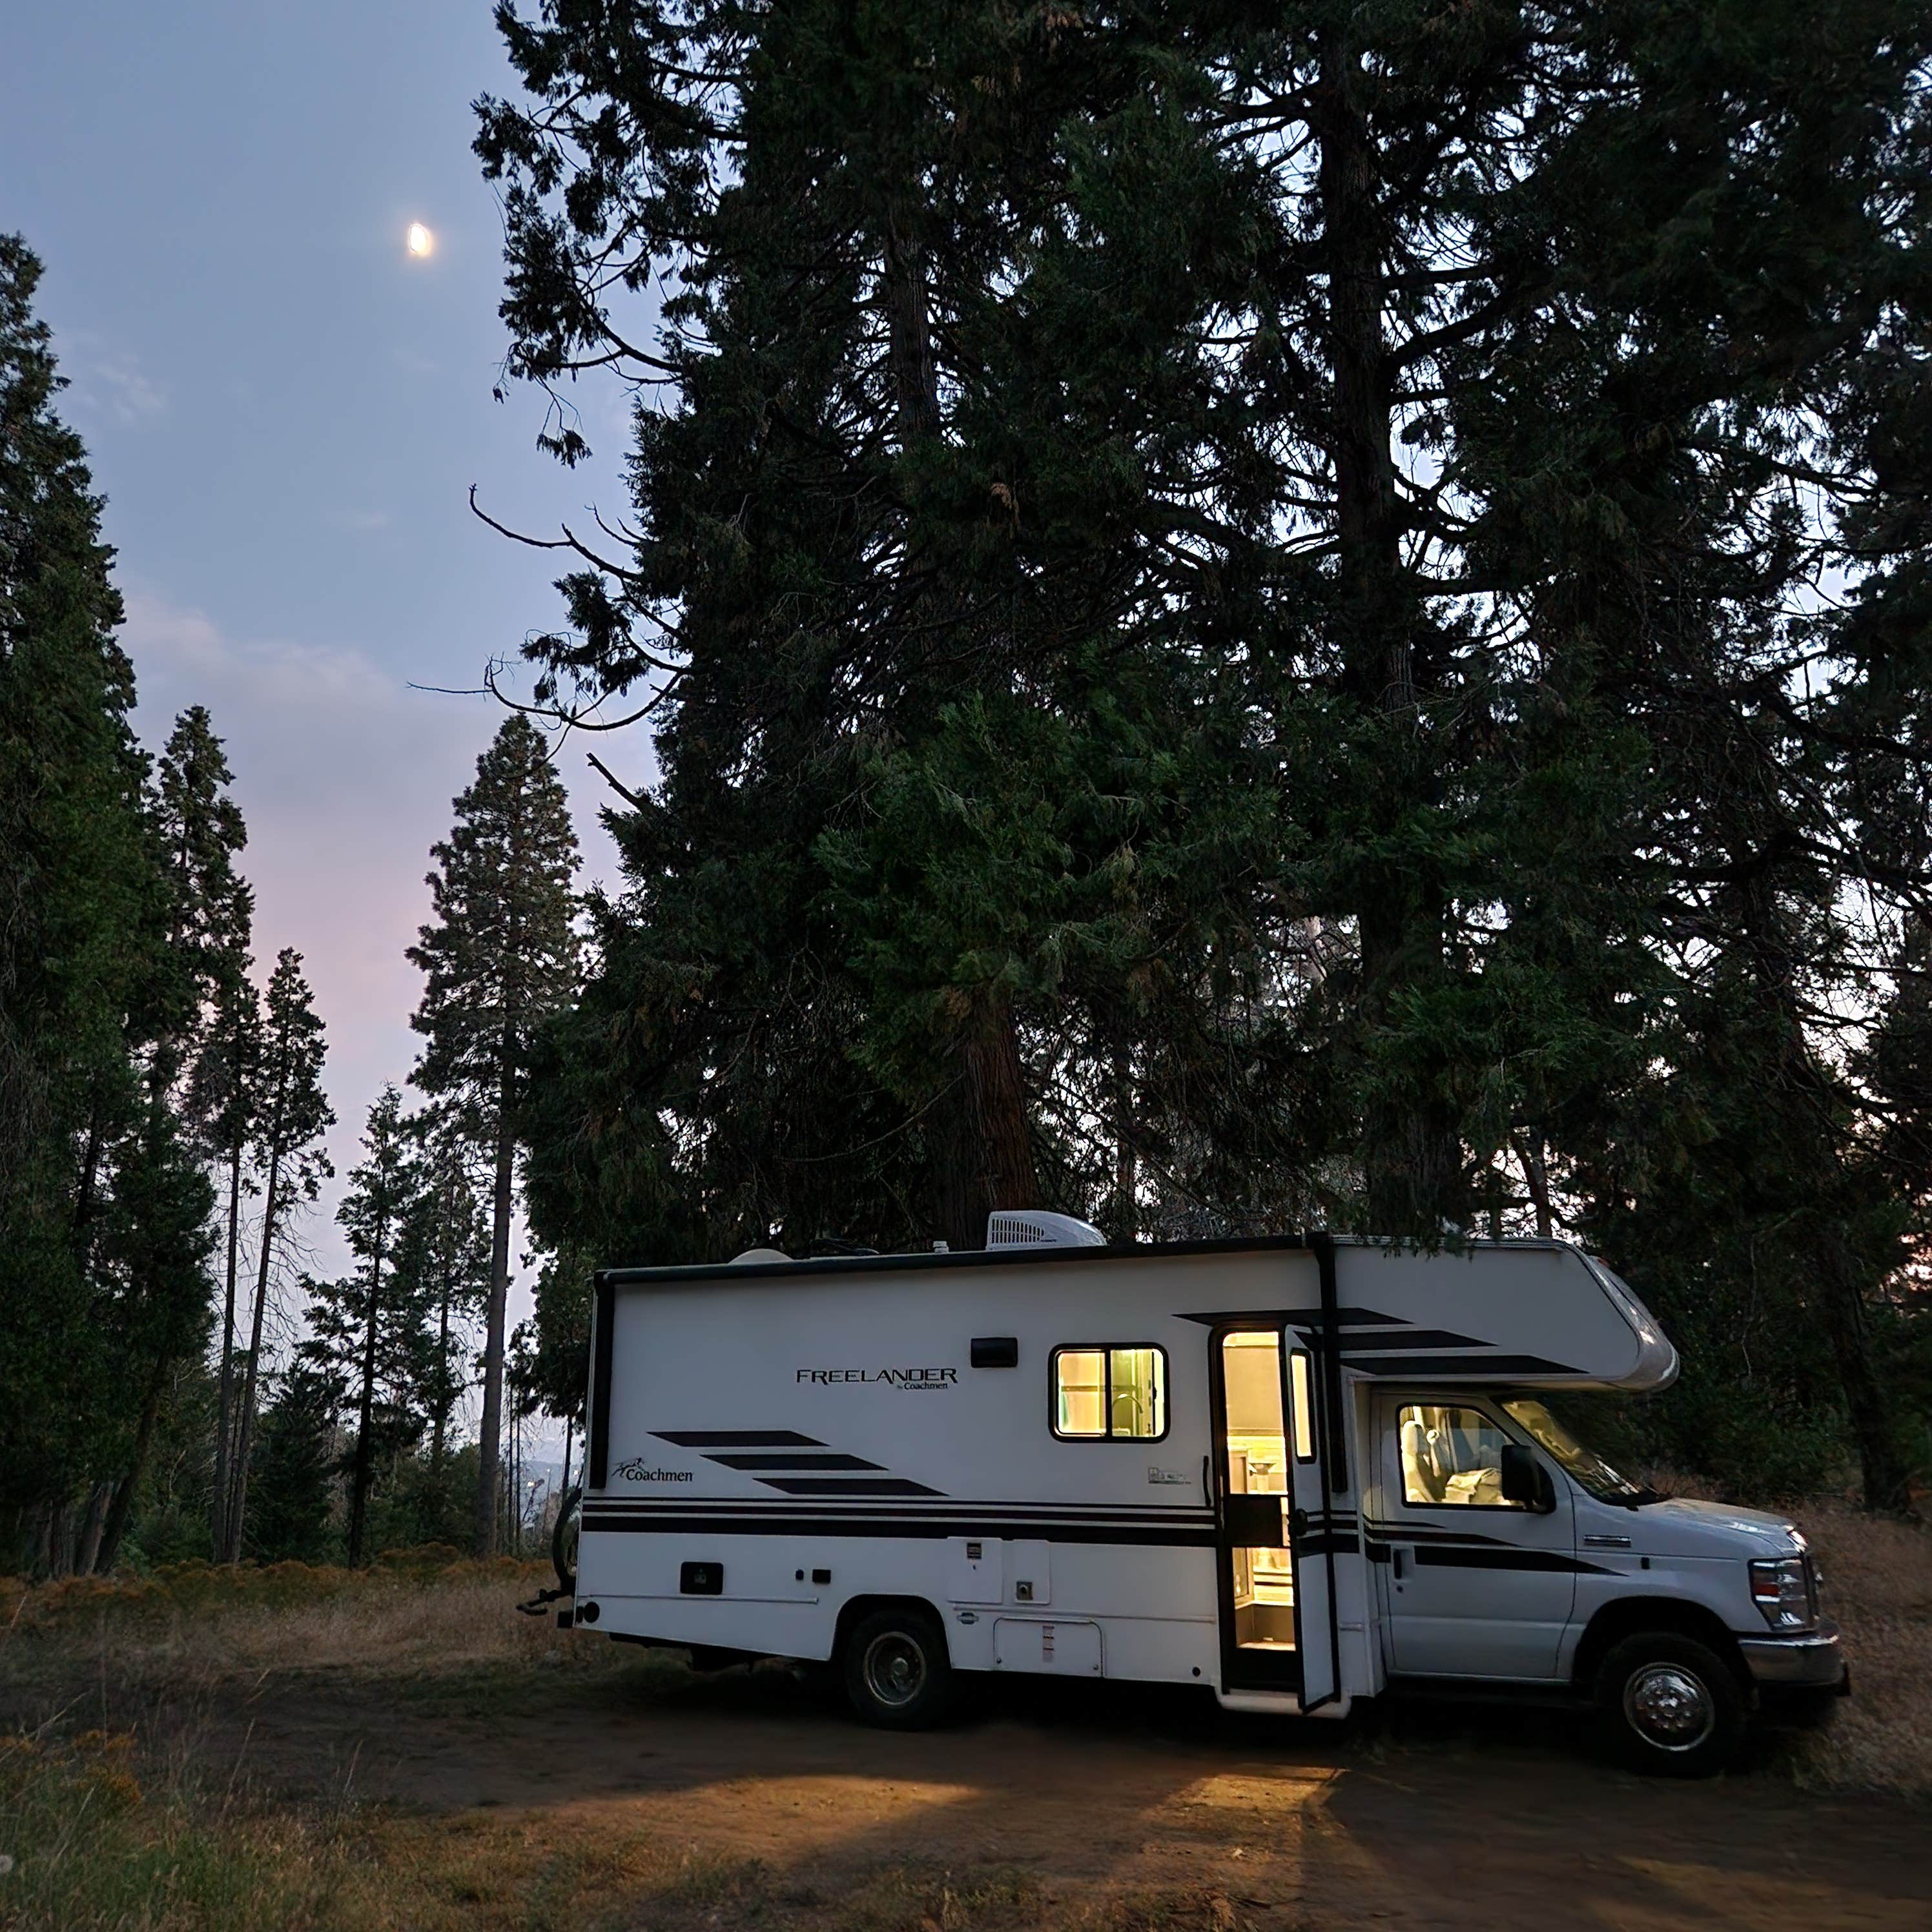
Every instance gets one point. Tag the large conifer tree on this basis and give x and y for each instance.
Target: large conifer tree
(1278, 539)
(947, 806)
(102, 1246)
(365, 1331)
(291, 1115)
(499, 961)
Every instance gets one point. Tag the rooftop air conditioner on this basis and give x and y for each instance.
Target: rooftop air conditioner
(1033, 1227)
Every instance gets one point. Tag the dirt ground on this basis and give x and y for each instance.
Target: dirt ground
(1420, 1819)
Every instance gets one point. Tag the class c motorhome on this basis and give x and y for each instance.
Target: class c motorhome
(1296, 1471)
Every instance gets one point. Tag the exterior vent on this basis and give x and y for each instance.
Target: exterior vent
(1033, 1228)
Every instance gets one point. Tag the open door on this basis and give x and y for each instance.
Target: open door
(1312, 1533)
(1275, 1547)
(1260, 1647)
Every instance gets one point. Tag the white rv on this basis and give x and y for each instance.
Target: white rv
(1296, 1471)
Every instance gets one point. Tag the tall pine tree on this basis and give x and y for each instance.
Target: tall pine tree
(102, 1244)
(499, 961)
(446, 1254)
(291, 1113)
(366, 1330)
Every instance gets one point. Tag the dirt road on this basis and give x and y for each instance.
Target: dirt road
(1421, 1820)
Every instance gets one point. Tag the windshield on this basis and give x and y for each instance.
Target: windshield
(1588, 1467)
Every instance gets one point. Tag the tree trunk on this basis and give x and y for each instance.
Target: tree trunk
(1532, 1152)
(982, 1137)
(87, 1545)
(1884, 1477)
(60, 1540)
(245, 1425)
(82, 1233)
(123, 1505)
(358, 1491)
(982, 1145)
(489, 1449)
(1411, 1154)
(1127, 1154)
(440, 1426)
(1803, 1088)
(224, 1419)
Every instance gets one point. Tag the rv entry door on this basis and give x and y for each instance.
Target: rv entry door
(1273, 1572)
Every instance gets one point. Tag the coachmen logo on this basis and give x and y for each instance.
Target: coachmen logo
(904, 1378)
(636, 1471)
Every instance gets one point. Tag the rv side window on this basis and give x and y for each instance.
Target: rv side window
(1300, 1384)
(1452, 1456)
(1102, 1395)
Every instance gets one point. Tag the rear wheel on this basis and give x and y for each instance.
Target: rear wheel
(897, 1673)
(563, 1535)
(1670, 1705)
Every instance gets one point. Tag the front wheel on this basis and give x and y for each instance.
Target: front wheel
(897, 1673)
(1670, 1705)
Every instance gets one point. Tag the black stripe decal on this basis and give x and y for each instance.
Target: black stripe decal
(1323, 1545)
(737, 1438)
(1463, 1365)
(1409, 1338)
(790, 1459)
(1438, 1556)
(1397, 1532)
(1291, 1317)
(1435, 1556)
(848, 1486)
(597, 1458)
(940, 1503)
(1166, 1536)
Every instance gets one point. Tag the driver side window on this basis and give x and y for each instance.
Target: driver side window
(1450, 1457)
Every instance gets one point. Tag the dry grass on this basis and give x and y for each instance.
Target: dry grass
(99, 1853)
(423, 1613)
(1877, 1575)
(162, 1840)
(1878, 1584)
(424, 1619)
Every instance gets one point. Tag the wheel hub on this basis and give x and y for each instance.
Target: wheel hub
(895, 1668)
(1670, 1706)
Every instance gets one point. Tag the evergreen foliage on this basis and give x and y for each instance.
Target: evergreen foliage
(103, 1244)
(291, 1114)
(1229, 600)
(446, 1258)
(499, 961)
(366, 1334)
(292, 1483)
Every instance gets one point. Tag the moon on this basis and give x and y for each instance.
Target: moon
(421, 241)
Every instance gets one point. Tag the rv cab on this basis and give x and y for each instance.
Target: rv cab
(1293, 1472)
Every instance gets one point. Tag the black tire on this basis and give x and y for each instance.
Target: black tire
(1670, 1706)
(563, 1538)
(897, 1675)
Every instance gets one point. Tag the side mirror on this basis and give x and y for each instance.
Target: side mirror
(1523, 1480)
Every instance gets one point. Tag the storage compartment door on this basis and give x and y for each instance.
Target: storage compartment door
(976, 1570)
(1055, 1649)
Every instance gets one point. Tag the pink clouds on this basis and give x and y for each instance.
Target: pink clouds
(345, 775)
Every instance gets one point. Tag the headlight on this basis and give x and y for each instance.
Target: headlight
(1781, 1586)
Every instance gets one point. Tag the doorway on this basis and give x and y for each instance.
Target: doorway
(1254, 1506)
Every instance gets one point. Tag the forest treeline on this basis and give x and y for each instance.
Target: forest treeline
(1259, 616)
(1230, 618)
(173, 1382)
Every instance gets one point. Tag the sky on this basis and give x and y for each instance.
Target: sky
(285, 412)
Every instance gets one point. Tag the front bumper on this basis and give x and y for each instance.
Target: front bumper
(1814, 1659)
